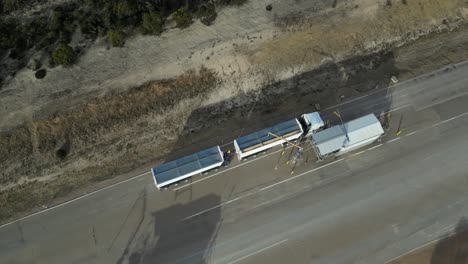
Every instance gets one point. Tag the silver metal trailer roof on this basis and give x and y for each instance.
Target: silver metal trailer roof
(329, 140)
(353, 132)
(363, 128)
(187, 166)
(261, 140)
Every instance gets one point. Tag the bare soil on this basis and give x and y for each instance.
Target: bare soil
(162, 97)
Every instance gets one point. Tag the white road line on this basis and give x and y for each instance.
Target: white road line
(140, 175)
(398, 108)
(428, 74)
(315, 169)
(247, 162)
(451, 119)
(302, 174)
(75, 199)
(438, 124)
(401, 93)
(360, 152)
(205, 178)
(258, 251)
(228, 169)
(392, 140)
(262, 189)
(376, 146)
(422, 246)
(266, 202)
(143, 174)
(237, 166)
(357, 98)
(217, 206)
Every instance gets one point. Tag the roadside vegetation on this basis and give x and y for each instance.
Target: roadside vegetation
(48, 35)
(63, 55)
(30, 151)
(58, 152)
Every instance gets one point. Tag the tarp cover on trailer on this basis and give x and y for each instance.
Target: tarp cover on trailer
(344, 136)
(187, 165)
(329, 140)
(363, 128)
(262, 137)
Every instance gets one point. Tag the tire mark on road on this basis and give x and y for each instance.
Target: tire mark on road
(134, 233)
(143, 195)
(20, 230)
(94, 236)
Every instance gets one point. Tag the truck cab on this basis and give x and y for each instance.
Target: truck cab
(311, 122)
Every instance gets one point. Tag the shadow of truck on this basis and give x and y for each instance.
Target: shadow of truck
(174, 240)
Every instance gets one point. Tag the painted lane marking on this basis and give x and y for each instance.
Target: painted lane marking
(258, 251)
(217, 206)
(365, 150)
(318, 168)
(261, 157)
(75, 199)
(392, 140)
(426, 244)
(300, 175)
(231, 168)
(260, 190)
(453, 66)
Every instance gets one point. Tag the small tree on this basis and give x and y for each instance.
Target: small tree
(207, 13)
(183, 18)
(232, 2)
(12, 5)
(63, 55)
(152, 23)
(116, 38)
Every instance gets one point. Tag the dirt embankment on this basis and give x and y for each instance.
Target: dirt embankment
(250, 81)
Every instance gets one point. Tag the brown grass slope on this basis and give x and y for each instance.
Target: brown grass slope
(88, 134)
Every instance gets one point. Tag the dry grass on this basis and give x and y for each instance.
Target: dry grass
(99, 136)
(83, 125)
(15, 147)
(368, 27)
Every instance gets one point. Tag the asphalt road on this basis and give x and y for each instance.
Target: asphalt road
(366, 207)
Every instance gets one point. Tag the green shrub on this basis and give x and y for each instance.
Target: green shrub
(122, 14)
(231, 2)
(7, 42)
(207, 14)
(12, 5)
(122, 9)
(56, 20)
(63, 55)
(183, 18)
(90, 23)
(10, 32)
(152, 23)
(116, 38)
